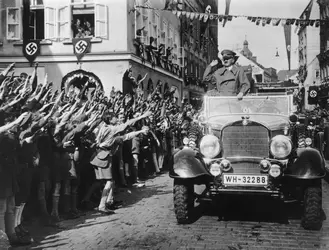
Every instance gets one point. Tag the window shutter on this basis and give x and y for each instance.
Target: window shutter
(64, 23)
(14, 23)
(50, 23)
(101, 27)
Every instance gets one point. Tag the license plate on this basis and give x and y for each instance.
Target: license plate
(252, 180)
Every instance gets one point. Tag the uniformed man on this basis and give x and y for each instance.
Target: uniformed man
(229, 80)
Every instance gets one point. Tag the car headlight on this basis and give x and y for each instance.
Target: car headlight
(209, 146)
(280, 146)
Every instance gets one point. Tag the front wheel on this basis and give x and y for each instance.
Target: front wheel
(313, 213)
(183, 201)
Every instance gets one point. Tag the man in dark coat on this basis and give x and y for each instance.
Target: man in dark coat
(128, 83)
(230, 80)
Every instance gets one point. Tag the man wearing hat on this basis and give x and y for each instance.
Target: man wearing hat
(229, 80)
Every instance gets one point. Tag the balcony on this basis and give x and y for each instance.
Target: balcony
(157, 57)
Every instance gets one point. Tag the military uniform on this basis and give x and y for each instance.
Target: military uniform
(229, 81)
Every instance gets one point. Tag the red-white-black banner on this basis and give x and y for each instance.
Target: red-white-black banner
(81, 46)
(31, 49)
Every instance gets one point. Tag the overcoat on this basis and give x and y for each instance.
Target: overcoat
(228, 82)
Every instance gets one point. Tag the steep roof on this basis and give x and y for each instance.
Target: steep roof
(284, 74)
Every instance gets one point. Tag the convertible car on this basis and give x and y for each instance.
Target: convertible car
(255, 146)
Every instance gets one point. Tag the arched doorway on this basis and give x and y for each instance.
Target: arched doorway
(78, 78)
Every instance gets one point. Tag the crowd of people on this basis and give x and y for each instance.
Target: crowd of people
(63, 151)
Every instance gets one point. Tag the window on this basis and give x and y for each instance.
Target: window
(89, 19)
(164, 34)
(175, 48)
(13, 23)
(170, 41)
(37, 20)
(80, 18)
(154, 27)
(317, 74)
(142, 24)
(181, 56)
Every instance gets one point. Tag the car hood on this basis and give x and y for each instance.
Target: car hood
(272, 122)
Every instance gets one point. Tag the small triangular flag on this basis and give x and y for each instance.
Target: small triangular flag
(205, 18)
(201, 16)
(276, 21)
(317, 23)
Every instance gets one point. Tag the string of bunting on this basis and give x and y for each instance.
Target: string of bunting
(257, 20)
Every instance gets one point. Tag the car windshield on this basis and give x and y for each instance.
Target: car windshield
(219, 105)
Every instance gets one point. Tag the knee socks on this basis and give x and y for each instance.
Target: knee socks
(55, 200)
(105, 194)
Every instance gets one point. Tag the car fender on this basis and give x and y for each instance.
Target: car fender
(308, 164)
(187, 164)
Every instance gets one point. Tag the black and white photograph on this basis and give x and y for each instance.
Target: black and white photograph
(164, 124)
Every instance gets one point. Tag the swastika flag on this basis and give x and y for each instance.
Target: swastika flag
(81, 46)
(31, 49)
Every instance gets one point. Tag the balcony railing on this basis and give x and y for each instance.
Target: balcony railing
(157, 57)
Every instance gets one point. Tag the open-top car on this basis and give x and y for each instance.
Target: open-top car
(254, 146)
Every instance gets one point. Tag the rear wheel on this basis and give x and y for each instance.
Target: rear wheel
(183, 201)
(313, 213)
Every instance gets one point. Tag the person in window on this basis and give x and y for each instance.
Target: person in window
(230, 80)
(89, 30)
(78, 31)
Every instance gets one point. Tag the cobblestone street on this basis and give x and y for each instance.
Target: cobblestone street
(147, 221)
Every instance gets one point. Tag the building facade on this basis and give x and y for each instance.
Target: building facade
(308, 50)
(259, 73)
(150, 40)
(323, 55)
(200, 42)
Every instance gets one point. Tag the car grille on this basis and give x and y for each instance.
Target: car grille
(246, 168)
(251, 141)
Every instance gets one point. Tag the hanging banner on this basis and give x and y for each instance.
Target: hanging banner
(312, 95)
(81, 46)
(205, 18)
(31, 49)
(287, 35)
(227, 10)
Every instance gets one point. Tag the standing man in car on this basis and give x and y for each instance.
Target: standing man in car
(229, 80)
